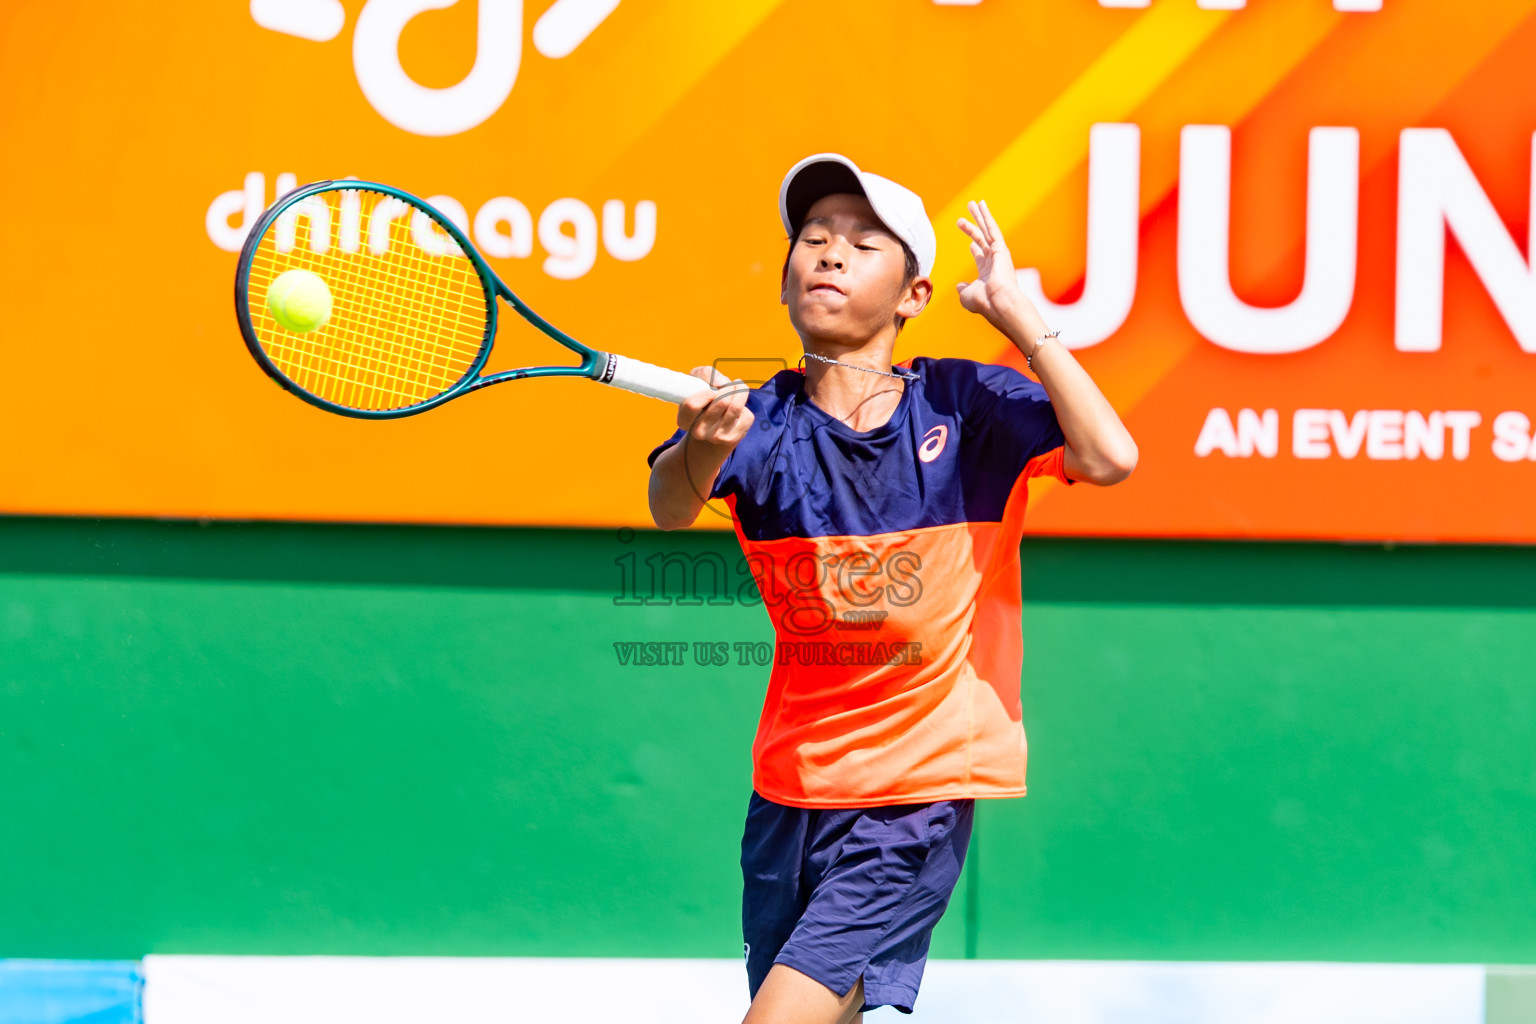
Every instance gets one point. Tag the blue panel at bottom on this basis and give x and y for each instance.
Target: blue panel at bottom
(70, 991)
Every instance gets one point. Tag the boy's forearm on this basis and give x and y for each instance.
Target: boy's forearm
(1098, 441)
(681, 480)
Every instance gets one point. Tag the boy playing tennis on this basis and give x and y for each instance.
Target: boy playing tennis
(881, 509)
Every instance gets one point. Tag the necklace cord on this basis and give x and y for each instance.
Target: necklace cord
(851, 366)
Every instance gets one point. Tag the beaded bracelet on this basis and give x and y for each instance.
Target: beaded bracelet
(1030, 359)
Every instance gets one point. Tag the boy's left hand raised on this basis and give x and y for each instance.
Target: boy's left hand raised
(995, 293)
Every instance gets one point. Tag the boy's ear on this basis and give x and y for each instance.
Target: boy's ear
(916, 298)
(784, 285)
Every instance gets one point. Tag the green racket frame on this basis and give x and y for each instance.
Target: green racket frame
(595, 365)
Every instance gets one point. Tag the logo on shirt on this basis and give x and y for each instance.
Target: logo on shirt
(933, 443)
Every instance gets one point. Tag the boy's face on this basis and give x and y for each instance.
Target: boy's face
(846, 276)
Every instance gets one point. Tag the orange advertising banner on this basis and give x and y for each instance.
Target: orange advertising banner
(1291, 239)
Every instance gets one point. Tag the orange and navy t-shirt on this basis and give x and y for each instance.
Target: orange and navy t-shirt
(888, 560)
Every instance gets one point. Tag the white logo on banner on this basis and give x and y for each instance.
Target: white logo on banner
(503, 227)
(420, 109)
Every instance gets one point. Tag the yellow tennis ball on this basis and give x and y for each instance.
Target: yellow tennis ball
(299, 301)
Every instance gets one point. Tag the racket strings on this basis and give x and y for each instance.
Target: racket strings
(406, 324)
(403, 366)
(427, 371)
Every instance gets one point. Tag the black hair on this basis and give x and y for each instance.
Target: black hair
(909, 272)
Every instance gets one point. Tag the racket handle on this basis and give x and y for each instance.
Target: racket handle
(651, 381)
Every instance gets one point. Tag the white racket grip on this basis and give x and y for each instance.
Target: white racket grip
(651, 381)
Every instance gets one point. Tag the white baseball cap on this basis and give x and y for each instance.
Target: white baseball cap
(899, 208)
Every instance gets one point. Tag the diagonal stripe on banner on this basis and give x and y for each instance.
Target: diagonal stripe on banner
(671, 64)
(1056, 142)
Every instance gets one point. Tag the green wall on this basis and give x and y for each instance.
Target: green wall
(258, 738)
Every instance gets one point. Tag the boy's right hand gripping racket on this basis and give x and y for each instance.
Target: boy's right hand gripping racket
(413, 307)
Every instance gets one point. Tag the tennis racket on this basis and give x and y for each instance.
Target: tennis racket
(413, 307)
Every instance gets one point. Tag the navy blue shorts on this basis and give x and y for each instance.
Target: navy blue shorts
(840, 894)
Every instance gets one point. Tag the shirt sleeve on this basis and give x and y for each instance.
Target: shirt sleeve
(722, 479)
(1052, 464)
(677, 435)
(1014, 423)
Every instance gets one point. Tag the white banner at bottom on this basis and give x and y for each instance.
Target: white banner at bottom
(450, 990)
